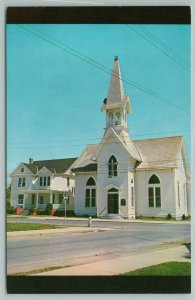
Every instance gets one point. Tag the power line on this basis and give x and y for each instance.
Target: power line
(163, 44)
(97, 139)
(151, 121)
(98, 65)
(156, 46)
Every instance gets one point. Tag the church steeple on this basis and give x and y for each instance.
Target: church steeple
(117, 104)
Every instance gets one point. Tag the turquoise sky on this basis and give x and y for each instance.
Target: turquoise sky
(54, 98)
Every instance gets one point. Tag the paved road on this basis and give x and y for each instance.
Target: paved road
(39, 252)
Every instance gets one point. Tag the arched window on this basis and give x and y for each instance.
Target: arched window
(90, 181)
(154, 192)
(153, 179)
(112, 166)
(90, 193)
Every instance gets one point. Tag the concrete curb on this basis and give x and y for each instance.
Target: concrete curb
(104, 220)
(57, 231)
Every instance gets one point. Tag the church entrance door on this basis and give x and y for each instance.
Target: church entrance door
(113, 201)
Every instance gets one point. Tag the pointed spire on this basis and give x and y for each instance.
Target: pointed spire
(116, 96)
(116, 90)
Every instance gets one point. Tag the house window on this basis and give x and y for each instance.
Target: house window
(21, 182)
(41, 181)
(68, 181)
(90, 193)
(178, 194)
(33, 199)
(154, 192)
(112, 166)
(44, 181)
(53, 198)
(22, 170)
(68, 200)
(132, 196)
(60, 199)
(41, 201)
(123, 202)
(20, 199)
(132, 180)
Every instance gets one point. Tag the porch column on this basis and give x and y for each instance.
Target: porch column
(24, 201)
(51, 198)
(37, 198)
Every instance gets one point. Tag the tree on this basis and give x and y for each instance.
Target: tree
(10, 209)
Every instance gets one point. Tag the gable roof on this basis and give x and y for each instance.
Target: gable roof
(123, 140)
(88, 168)
(153, 153)
(85, 157)
(53, 165)
(159, 152)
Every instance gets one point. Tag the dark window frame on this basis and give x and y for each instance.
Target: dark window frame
(112, 167)
(90, 193)
(154, 192)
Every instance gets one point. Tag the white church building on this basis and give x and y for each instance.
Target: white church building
(119, 177)
(127, 178)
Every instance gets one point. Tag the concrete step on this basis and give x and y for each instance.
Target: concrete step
(111, 216)
(25, 212)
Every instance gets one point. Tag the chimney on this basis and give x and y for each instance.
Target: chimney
(30, 161)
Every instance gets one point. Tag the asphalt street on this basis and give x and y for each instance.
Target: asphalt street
(124, 238)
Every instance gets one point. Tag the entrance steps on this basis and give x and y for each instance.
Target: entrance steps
(111, 216)
(25, 212)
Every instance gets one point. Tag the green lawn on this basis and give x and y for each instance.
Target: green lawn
(172, 268)
(28, 226)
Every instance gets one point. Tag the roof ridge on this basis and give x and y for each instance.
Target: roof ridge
(160, 138)
(54, 159)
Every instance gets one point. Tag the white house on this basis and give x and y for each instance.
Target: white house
(127, 178)
(37, 183)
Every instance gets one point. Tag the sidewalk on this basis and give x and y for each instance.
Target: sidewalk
(124, 264)
(105, 220)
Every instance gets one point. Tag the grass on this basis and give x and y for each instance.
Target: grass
(153, 218)
(173, 268)
(159, 218)
(28, 226)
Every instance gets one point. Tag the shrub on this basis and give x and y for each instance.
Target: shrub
(169, 216)
(183, 217)
(10, 209)
(48, 208)
(31, 210)
(40, 212)
(139, 217)
(61, 213)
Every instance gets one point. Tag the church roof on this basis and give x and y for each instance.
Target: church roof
(153, 153)
(53, 165)
(88, 168)
(159, 152)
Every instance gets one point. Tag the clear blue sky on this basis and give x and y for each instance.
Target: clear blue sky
(54, 98)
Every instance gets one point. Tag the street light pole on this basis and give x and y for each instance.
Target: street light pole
(64, 210)
(65, 198)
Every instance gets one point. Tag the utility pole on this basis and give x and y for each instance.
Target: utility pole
(65, 198)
